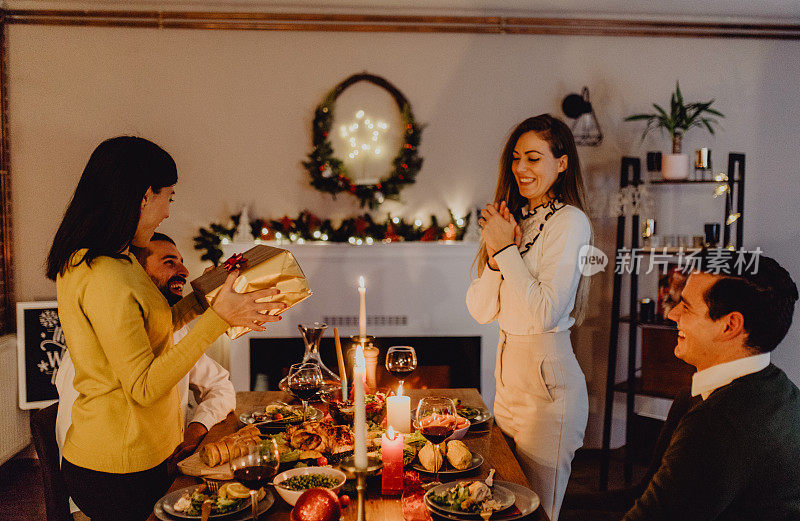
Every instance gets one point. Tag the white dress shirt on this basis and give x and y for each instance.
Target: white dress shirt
(708, 380)
(537, 281)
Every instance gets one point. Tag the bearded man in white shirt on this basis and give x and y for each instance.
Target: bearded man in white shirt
(209, 382)
(734, 454)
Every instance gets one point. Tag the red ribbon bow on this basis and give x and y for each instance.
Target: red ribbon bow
(235, 262)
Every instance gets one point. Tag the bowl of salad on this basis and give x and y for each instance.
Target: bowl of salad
(291, 483)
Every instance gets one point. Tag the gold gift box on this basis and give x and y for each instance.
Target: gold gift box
(263, 267)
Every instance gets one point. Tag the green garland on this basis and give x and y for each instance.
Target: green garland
(307, 227)
(329, 174)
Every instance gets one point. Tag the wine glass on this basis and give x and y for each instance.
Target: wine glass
(257, 468)
(436, 420)
(401, 361)
(305, 381)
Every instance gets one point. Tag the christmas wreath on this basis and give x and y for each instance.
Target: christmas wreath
(329, 174)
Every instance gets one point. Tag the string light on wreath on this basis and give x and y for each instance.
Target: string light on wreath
(330, 174)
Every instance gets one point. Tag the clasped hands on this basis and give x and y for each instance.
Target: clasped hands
(498, 229)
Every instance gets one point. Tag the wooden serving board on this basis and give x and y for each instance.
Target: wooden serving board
(194, 466)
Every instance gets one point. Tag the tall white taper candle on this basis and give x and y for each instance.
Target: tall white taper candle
(360, 416)
(362, 310)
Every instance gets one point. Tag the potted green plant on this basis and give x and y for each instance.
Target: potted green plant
(680, 118)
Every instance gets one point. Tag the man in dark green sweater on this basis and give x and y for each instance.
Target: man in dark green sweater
(735, 455)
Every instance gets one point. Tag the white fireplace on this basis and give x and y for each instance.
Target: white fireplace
(413, 289)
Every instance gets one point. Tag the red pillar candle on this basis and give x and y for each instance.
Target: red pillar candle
(392, 452)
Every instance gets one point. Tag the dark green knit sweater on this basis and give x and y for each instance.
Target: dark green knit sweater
(734, 456)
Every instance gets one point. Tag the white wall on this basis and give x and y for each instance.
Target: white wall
(234, 109)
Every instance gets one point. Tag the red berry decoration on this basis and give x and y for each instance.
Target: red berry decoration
(322, 461)
(344, 499)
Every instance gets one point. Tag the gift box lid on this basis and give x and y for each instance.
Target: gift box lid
(210, 281)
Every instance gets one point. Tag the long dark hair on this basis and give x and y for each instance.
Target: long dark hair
(104, 211)
(567, 188)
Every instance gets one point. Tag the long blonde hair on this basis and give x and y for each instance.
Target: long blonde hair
(567, 188)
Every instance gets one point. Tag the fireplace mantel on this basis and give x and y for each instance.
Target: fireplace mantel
(413, 289)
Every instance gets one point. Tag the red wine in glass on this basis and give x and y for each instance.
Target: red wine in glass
(303, 391)
(436, 420)
(401, 373)
(254, 477)
(401, 361)
(256, 468)
(436, 434)
(305, 381)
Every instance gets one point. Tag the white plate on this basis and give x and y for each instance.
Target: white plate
(502, 495)
(526, 501)
(164, 510)
(314, 414)
(483, 416)
(477, 461)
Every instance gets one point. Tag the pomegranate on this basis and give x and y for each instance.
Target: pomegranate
(317, 504)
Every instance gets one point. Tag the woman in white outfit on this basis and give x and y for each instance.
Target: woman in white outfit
(530, 282)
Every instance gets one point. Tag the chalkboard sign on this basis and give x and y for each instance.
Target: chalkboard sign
(40, 342)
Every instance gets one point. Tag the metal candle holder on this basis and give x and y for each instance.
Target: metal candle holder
(348, 466)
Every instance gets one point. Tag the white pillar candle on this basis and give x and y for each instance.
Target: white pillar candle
(362, 309)
(398, 412)
(360, 416)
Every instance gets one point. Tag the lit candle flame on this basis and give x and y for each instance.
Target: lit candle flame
(390, 434)
(361, 283)
(400, 389)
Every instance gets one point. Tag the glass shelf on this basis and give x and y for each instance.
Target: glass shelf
(667, 325)
(642, 390)
(649, 250)
(685, 181)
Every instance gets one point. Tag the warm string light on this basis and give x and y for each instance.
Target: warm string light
(364, 136)
(358, 241)
(309, 228)
(725, 189)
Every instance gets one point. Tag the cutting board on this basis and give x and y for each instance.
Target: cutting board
(194, 466)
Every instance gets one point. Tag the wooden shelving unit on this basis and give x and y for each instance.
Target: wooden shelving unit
(632, 385)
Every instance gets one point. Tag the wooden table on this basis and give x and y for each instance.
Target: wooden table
(489, 443)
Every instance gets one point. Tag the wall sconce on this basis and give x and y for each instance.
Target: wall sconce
(585, 128)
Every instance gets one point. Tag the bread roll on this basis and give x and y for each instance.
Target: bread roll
(230, 447)
(209, 454)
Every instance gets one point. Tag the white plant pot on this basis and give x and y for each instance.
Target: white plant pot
(675, 166)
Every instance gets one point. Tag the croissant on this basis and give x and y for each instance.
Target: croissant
(230, 447)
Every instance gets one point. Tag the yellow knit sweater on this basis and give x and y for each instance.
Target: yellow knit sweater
(118, 329)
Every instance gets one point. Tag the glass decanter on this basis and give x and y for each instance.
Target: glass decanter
(312, 336)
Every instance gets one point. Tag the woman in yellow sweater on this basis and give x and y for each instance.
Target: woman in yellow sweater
(118, 326)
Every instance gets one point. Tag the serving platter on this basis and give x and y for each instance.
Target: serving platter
(247, 418)
(165, 511)
(505, 497)
(526, 502)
